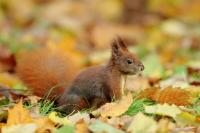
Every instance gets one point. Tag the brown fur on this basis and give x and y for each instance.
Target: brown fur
(98, 85)
(43, 69)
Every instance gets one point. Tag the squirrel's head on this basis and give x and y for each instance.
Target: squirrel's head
(125, 61)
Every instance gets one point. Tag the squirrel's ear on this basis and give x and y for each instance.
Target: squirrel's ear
(115, 48)
(122, 44)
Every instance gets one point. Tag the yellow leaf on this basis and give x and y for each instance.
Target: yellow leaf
(44, 125)
(142, 124)
(115, 109)
(18, 115)
(53, 117)
(82, 127)
(163, 109)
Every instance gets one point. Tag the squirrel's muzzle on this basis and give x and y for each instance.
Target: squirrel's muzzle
(141, 67)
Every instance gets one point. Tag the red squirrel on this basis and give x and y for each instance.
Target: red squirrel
(92, 87)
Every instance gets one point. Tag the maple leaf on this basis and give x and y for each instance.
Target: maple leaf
(20, 118)
(18, 115)
(116, 108)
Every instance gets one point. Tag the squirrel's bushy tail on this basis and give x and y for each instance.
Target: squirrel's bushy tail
(43, 69)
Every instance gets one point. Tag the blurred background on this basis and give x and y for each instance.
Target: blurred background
(165, 34)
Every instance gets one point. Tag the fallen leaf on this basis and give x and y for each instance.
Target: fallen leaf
(56, 119)
(65, 129)
(175, 81)
(142, 124)
(116, 108)
(138, 106)
(177, 96)
(79, 116)
(44, 124)
(164, 109)
(82, 127)
(101, 127)
(18, 115)
(20, 128)
(186, 119)
(165, 126)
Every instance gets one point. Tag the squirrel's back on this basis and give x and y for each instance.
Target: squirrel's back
(43, 69)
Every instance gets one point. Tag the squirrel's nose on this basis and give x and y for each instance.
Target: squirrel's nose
(141, 67)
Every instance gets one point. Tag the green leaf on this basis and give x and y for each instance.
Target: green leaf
(180, 70)
(65, 129)
(102, 127)
(138, 106)
(4, 102)
(195, 106)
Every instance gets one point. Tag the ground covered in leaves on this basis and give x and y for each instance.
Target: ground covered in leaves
(164, 98)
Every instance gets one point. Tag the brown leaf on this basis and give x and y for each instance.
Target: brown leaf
(168, 95)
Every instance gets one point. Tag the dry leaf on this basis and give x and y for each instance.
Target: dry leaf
(78, 117)
(82, 127)
(20, 128)
(168, 95)
(142, 124)
(56, 119)
(116, 108)
(163, 110)
(44, 124)
(18, 115)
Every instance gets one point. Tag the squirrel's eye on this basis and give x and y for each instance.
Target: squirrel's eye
(129, 61)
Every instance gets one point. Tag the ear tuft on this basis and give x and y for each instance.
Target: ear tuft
(115, 48)
(121, 43)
